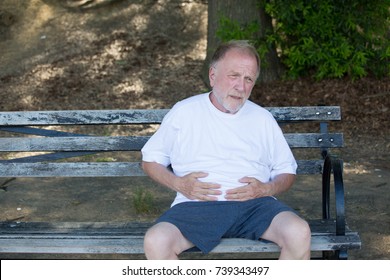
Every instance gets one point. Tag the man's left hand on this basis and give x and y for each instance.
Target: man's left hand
(253, 189)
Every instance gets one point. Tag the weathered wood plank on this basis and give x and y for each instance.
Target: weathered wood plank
(74, 144)
(314, 140)
(127, 238)
(134, 245)
(306, 167)
(86, 117)
(135, 143)
(318, 243)
(90, 228)
(71, 169)
(39, 131)
(104, 169)
(309, 113)
(77, 245)
(318, 226)
(47, 157)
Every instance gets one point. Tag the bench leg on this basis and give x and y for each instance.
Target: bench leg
(342, 255)
(335, 255)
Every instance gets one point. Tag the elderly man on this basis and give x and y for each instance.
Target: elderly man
(229, 159)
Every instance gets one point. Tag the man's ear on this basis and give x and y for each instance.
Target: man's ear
(212, 76)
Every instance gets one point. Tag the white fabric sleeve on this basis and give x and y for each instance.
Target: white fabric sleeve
(159, 146)
(283, 159)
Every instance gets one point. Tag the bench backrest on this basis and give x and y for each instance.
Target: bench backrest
(64, 144)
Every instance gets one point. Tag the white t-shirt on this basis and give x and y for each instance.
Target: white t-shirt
(195, 136)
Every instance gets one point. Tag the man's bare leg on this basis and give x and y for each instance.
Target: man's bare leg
(164, 241)
(292, 234)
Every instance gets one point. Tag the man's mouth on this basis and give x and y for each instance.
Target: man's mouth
(236, 97)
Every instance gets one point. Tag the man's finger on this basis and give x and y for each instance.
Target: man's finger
(246, 180)
(199, 174)
(242, 189)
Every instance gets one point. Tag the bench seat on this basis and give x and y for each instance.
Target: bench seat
(127, 238)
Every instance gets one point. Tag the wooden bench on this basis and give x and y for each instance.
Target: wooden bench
(330, 234)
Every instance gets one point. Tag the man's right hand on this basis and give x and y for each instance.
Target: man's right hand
(191, 187)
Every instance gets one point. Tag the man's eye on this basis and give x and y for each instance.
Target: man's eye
(249, 80)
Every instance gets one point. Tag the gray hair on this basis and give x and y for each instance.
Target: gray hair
(241, 45)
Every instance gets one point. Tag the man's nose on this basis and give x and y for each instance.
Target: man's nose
(240, 84)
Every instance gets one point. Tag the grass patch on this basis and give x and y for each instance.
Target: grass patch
(143, 202)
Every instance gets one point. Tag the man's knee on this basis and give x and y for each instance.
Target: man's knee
(300, 232)
(151, 239)
(296, 231)
(164, 241)
(299, 226)
(297, 237)
(156, 241)
(292, 234)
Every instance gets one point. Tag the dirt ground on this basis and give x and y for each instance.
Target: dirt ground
(122, 54)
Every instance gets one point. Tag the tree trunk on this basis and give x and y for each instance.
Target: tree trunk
(243, 12)
(272, 68)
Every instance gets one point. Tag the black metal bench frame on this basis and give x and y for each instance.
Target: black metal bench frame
(330, 235)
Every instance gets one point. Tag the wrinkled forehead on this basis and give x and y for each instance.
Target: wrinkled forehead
(240, 57)
(238, 60)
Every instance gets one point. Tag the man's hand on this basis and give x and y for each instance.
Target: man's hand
(188, 185)
(192, 188)
(253, 189)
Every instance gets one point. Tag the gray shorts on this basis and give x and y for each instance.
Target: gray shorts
(205, 223)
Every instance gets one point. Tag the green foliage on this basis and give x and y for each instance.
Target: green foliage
(232, 30)
(143, 201)
(323, 38)
(333, 38)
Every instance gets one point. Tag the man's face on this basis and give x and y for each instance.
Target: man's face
(232, 80)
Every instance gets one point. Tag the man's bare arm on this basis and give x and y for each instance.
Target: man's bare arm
(188, 185)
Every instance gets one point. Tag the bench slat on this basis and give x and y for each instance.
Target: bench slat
(318, 226)
(48, 157)
(309, 113)
(104, 169)
(134, 245)
(98, 238)
(86, 117)
(135, 143)
(38, 131)
(71, 169)
(104, 143)
(314, 140)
